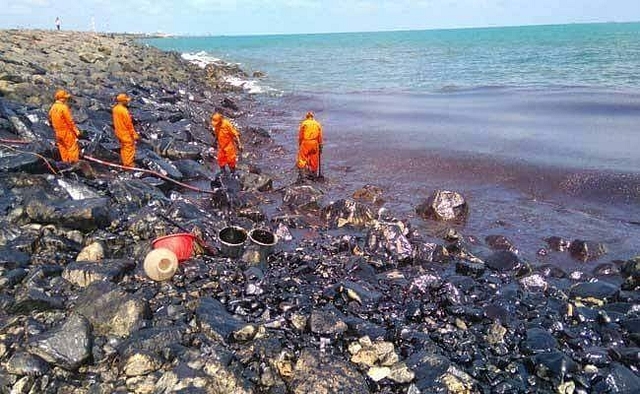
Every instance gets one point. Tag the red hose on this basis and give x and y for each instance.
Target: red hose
(106, 163)
(53, 171)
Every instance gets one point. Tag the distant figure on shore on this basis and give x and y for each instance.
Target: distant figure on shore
(65, 128)
(309, 147)
(123, 127)
(58, 23)
(228, 142)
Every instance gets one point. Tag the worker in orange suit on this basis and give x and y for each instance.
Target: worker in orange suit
(228, 142)
(123, 126)
(309, 145)
(65, 128)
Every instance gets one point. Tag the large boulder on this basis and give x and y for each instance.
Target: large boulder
(321, 373)
(444, 205)
(83, 273)
(84, 215)
(389, 239)
(67, 346)
(348, 212)
(302, 198)
(111, 310)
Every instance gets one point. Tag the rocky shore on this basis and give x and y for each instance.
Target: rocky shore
(352, 299)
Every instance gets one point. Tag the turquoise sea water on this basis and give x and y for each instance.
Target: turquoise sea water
(602, 55)
(539, 126)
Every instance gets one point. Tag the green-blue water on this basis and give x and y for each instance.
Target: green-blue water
(603, 55)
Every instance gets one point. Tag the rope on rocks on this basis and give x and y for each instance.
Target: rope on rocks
(154, 173)
(3, 143)
(53, 171)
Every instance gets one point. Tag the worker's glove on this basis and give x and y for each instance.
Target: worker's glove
(240, 147)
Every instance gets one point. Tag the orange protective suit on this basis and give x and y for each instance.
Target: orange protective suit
(310, 144)
(66, 131)
(227, 137)
(126, 134)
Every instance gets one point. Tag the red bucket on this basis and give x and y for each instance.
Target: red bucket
(180, 244)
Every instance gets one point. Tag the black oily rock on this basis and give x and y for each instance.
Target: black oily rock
(67, 346)
(347, 212)
(428, 368)
(82, 273)
(191, 169)
(215, 321)
(552, 365)
(22, 363)
(474, 269)
(35, 299)
(499, 242)
(388, 239)
(444, 205)
(20, 162)
(503, 261)
(587, 250)
(538, 340)
(599, 290)
(257, 182)
(111, 310)
(155, 339)
(322, 373)
(134, 193)
(89, 214)
(12, 277)
(618, 379)
(302, 197)
(327, 321)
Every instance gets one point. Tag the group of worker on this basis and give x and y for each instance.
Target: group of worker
(227, 136)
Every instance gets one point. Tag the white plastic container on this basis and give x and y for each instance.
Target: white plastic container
(160, 264)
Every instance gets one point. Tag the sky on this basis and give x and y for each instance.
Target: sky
(249, 17)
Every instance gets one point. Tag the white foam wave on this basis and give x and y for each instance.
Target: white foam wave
(252, 86)
(200, 59)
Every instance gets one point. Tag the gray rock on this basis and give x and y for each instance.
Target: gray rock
(67, 346)
(82, 273)
(257, 182)
(22, 363)
(321, 373)
(35, 299)
(155, 340)
(111, 310)
(215, 321)
(327, 321)
(600, 290)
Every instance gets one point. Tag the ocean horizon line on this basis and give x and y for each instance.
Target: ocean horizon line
(399, 30)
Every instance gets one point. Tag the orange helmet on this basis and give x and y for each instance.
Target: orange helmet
(309, 115)
(62, 94)
(216, 118)
(123, 98)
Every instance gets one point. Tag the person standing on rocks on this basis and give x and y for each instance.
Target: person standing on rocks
(228, 142)
(123, 127)
(309, 146)
(58, 23)
(65, 128)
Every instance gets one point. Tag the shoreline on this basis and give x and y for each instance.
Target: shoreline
(351, 300)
